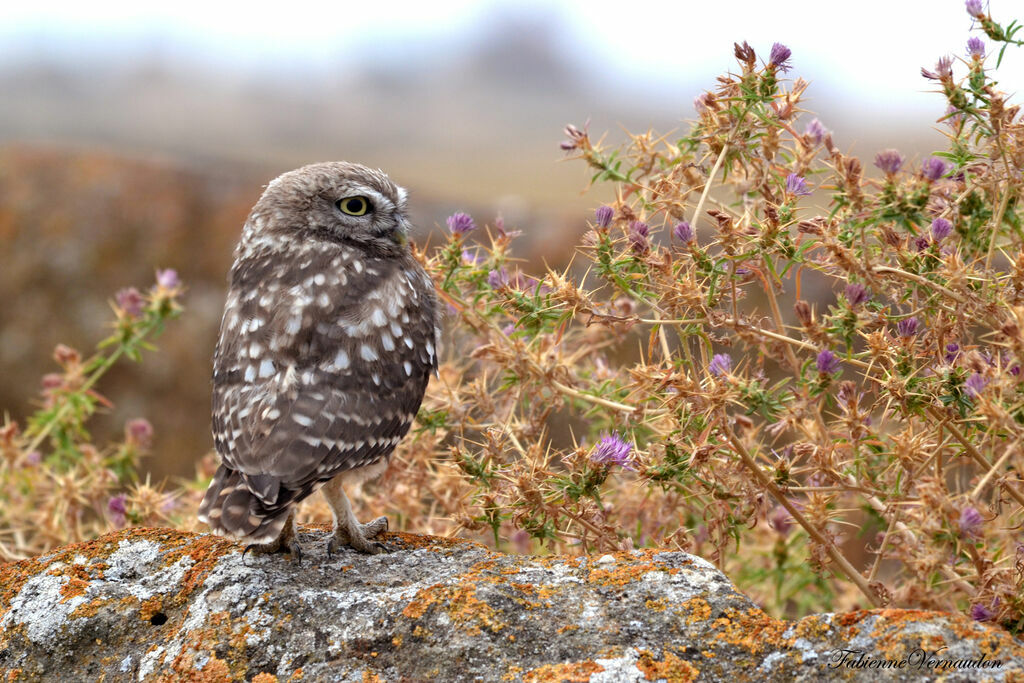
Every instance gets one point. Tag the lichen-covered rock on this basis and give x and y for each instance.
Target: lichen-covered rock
(159, 604)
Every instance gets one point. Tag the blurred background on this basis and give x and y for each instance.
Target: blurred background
(137, 135)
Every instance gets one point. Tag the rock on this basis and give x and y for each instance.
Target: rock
(161, 604)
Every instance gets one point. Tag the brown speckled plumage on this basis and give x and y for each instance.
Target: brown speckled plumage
(326, 346)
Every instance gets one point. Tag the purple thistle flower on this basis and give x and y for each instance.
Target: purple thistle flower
(167, 278)
(953, 117)
(815, 131)
(117, 510)
(826, 362)
(780, 520)
(970, 522)
(981, 613)
(472, 257)
(943, 70)
(460, 223)
(921, 243)
(498, 278)
(934, 168)
(941, 229)
(139, 432)
(700, 102)
(638, 236)
(975, 47)
(603, 216)
(975, 384)
(720, 364)
(33, 458)
(683, 232)
(779, 57)
(796, 185)
(612, 450)
(856, 294)
(952, 351)
(130, 301)
(889, 160)
(974, 8)
(907, 327)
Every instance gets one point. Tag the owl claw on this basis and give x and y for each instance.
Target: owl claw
(360, 541)
(277, 546)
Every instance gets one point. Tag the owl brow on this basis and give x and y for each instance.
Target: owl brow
(377, 199)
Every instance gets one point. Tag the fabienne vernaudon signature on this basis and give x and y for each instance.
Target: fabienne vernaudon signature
(916, 659)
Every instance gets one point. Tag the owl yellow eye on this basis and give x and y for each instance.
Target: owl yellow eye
(355, 206)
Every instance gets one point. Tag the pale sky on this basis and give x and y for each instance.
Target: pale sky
(870, 51)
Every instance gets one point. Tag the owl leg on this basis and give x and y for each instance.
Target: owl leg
(347, 529)
(286, 542)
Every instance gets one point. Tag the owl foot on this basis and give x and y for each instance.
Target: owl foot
(285, 543)
(359, 537)
(292, 548)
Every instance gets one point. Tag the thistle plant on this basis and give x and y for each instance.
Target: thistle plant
(56, 485)
(763, 353)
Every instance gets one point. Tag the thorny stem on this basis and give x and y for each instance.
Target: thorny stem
(707, 188)
(975, 455)
(765, 481)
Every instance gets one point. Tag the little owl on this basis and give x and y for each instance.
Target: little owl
(326, 346)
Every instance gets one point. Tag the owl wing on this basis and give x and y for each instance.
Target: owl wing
(289, 424)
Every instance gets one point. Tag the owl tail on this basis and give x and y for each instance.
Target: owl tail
(231, 509)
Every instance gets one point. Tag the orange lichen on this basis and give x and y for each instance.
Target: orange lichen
(628, 569)
(461, 604)
(576, 672)
(264, 678)
(75, 587)
(659, 605)
(370, 677)
(753, 630)
(670, 668)
(695, 610)
(150, 607)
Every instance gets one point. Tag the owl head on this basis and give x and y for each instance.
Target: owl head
(336, 201)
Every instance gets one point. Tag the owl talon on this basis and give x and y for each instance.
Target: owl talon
(274, 547)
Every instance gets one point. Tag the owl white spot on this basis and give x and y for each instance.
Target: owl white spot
(266, 368)
(408, 368)
(307, 377)
(255, 350)
(405, 318)
(341, 360)
(293, 325)
(376, 378)
(387, 342)
(430, 349)
(323, 300)
(247, 410)
(313, 441)
(408, 342)
(233, 321)
(378, 318)
(302, 420)
(396, 329)
(367, 353)
(255, 324)
(358, 265)
(266, 300)
(289, 377)
(319, 279)
(250, 373)
(272, 414)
